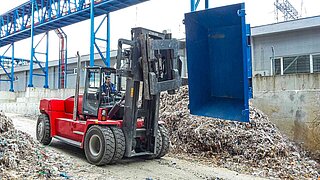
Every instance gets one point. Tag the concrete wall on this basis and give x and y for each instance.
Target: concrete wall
(27, 102)
(292, 102)
(7, 97)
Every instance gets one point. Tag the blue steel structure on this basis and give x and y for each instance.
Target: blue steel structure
(195, 4)
(41, 16)
(34, 59)
(3, 59)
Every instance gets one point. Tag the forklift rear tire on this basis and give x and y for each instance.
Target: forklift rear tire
(165, 141)
(99, 145)
(43, 129)
(120, 144)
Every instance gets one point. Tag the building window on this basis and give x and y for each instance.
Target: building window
(296, 64)
(316, 63)
(277, 66)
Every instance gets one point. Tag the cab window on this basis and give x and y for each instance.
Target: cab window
(94, 80)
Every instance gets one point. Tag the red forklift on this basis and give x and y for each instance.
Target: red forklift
(124, 123)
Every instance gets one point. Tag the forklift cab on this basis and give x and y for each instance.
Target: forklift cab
(94, 97)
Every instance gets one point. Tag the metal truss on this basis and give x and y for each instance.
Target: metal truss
(105, 58)
(287, 9)
(41, 16)
(34, 59)
(3, 59)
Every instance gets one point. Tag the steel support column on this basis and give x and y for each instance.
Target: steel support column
(46, 83)
(195, 4)
(108, 41)
(92, 34)
(66, 63)
(32, 48)
(12, 69)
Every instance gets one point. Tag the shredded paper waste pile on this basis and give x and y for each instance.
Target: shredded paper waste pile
(257, 148)
(23, 158)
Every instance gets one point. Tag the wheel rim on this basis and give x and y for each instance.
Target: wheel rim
(40, 129)
(95, 145)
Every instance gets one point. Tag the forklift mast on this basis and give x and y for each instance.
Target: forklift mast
(151, 66)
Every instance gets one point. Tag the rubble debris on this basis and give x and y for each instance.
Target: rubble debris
(21, 157)
(257, 147)
(5, 123)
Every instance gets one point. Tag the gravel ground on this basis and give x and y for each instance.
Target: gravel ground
(202, 148)
(169, 167)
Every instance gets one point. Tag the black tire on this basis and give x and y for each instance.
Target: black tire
(120, 142)
(165, 141)
(158, 146)
(43, 129)
(99, 145)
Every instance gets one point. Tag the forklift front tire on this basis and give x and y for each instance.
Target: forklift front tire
(43, 129)
(120, 142)
(158, 147)
(165, 141)
(99, 145)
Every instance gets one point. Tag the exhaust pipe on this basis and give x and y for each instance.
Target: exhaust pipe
(76, 96)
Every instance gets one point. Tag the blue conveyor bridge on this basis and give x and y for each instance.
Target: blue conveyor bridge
(41, 16)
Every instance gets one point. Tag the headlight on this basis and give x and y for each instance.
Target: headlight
(104, 112)
(103, 115)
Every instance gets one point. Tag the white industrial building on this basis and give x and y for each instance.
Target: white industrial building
(284, 48)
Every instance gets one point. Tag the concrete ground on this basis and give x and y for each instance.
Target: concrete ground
(165, 168)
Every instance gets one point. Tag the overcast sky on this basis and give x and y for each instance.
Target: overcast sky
(156, 15)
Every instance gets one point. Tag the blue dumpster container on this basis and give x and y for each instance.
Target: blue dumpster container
(219, 64)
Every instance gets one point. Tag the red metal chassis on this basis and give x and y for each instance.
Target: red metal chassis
(63, 125)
